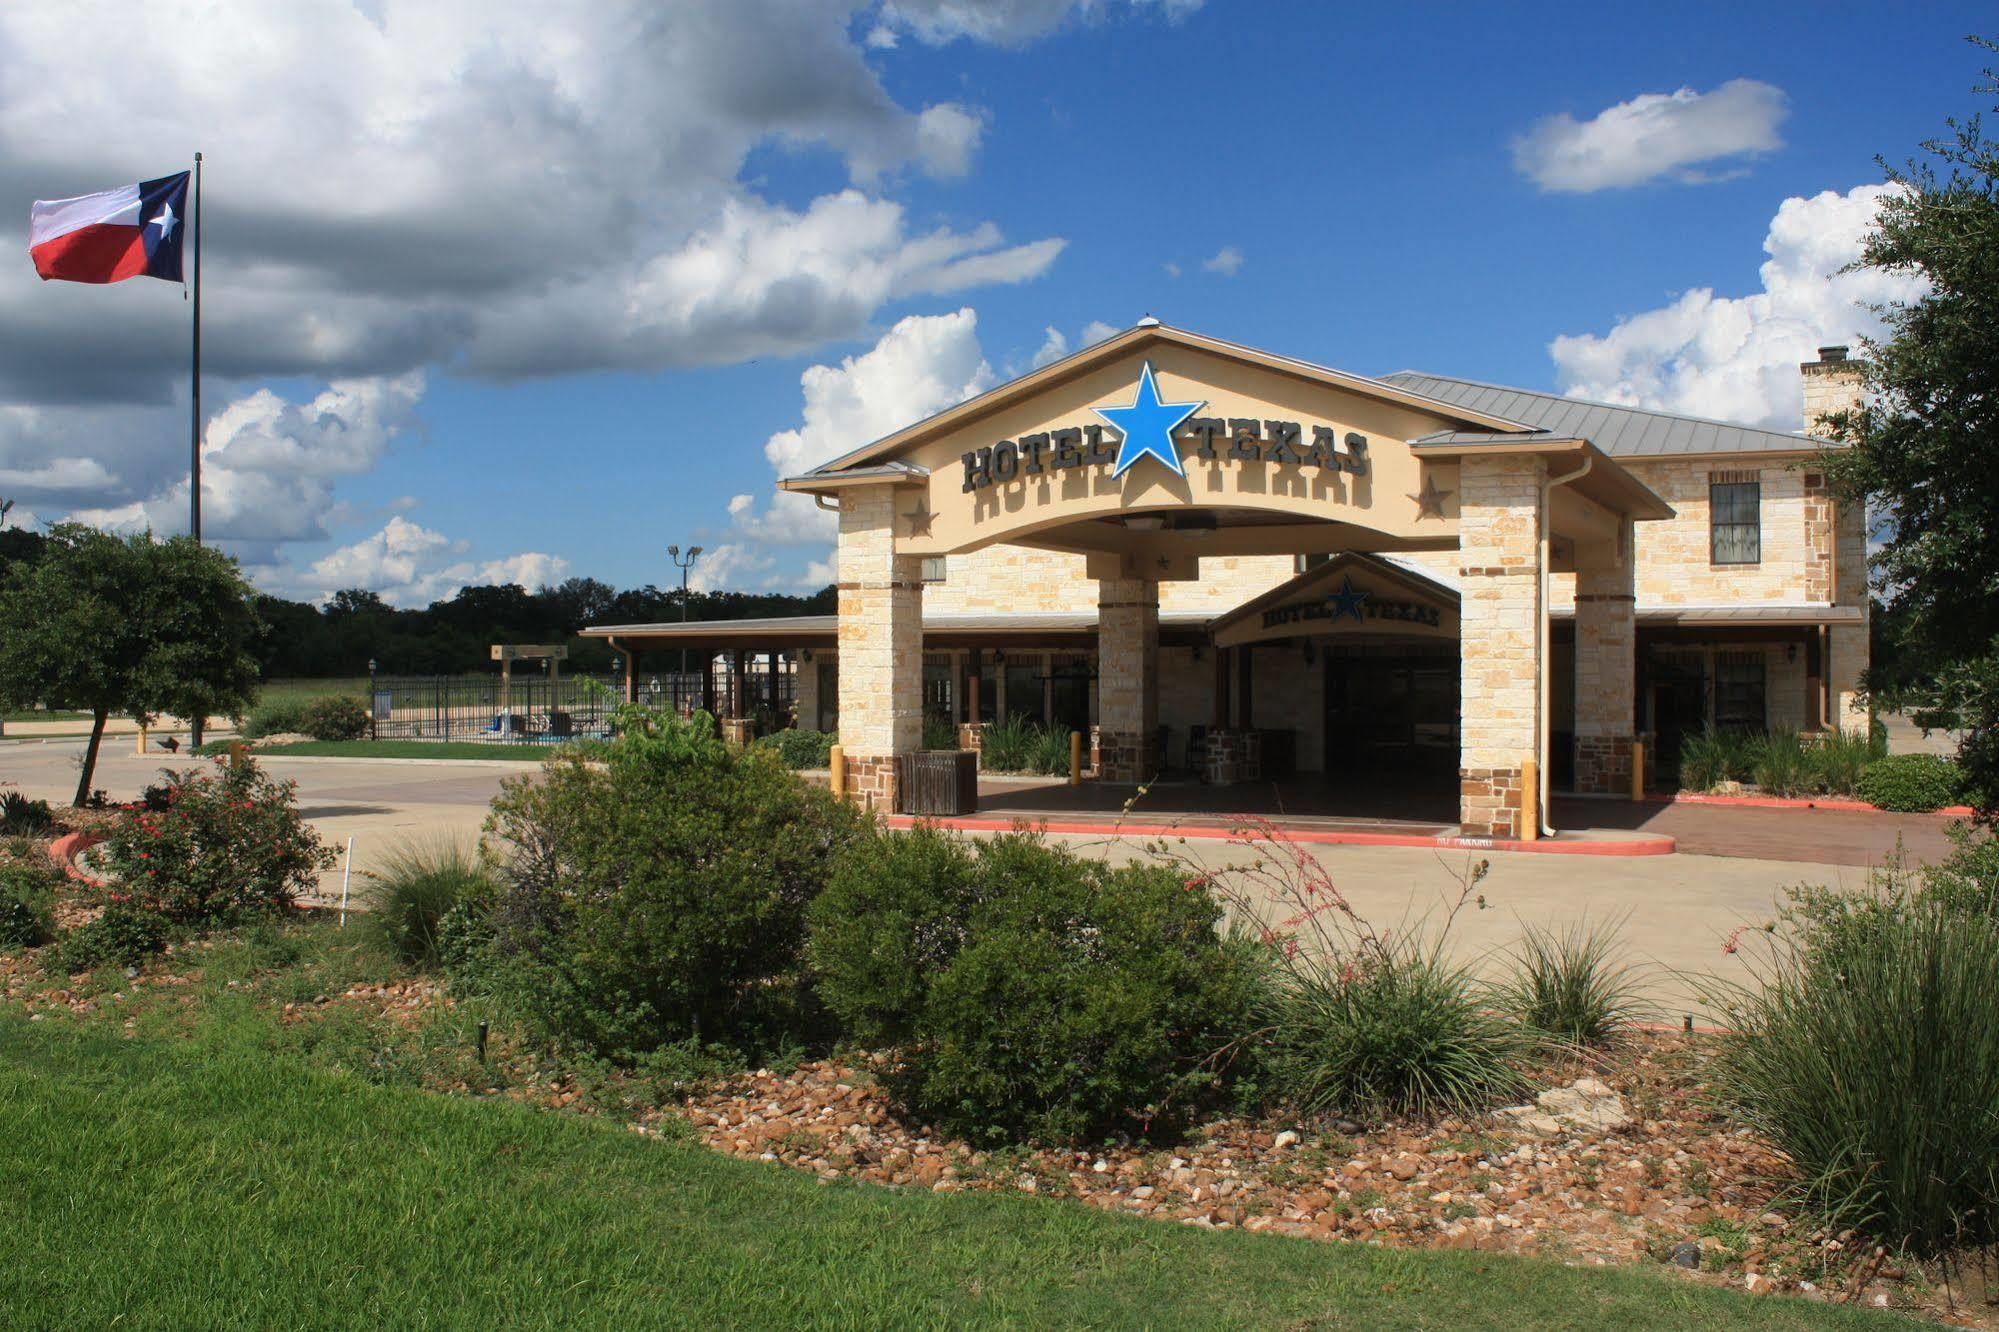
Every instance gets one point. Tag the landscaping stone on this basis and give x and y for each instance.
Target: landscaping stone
(1584, 1106)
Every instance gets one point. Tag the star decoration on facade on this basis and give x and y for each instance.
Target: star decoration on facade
(1147, 426)
(165, 221)
(919, 519)
(1430, 500)
(1347, 601)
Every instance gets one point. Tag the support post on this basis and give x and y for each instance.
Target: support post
(1606, 705)
(1075, 758)
(1499, 526)
(1128, 679)
(881, 645)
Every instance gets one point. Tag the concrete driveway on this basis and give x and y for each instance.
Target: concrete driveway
(1676, 910)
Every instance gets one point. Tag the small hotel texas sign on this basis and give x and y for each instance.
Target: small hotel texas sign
(1149, 428)
(1356, 603)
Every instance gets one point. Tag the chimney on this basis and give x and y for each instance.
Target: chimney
(1832, 384)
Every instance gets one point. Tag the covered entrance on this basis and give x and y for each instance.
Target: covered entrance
(1132, 481)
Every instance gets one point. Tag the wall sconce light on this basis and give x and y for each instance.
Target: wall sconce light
(999, 658)
(1310, 655)
(1197, 651)
(806, 653)
(1790, 652)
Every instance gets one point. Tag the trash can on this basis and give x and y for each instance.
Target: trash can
(937, 782)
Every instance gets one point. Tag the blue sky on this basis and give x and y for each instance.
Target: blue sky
(1363, 166)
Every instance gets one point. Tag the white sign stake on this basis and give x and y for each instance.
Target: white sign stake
(346, 873)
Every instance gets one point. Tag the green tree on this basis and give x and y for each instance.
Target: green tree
(132, 626)
(1925, 446)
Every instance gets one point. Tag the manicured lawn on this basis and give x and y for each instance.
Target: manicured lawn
(354, 686)
(211, 1165)
(407, 749)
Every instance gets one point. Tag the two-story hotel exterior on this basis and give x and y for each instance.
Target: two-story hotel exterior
(1220, 561)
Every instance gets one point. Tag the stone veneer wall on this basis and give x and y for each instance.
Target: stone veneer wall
(881, 645)
(1128, 680)
(999, 580)
(1606, 667)
(1499, 523)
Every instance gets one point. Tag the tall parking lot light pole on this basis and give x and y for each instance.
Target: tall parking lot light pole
(682, 563)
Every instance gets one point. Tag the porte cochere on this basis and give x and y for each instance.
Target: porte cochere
(1206, 555)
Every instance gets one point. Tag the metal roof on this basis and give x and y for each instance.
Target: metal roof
(1622, 432)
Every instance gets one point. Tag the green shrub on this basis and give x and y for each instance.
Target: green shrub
(1048, 752)
(27, 894)
(1394, 1029)
(939, 732)
(1912, 783)
(277, 716)
(1869, 1056)
(800, 750)
(1016, 744)
(1003, 744)
(409, 897)
(1780, 764)
(22, 817)
(230, 844)
(1710, 757)
(1571, 986)
(336, 718)
(1967, 880)
(655, 890)
(1839, 759)
(1027, 993)
(125, 936)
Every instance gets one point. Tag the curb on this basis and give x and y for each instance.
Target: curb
(1831, 804)
(1644, 846)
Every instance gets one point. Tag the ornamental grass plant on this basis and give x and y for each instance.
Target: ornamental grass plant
(1571, 985)
(1359, 1021)
(418, 886)
(1866, 1049)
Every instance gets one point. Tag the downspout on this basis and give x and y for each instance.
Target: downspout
(1544, 634)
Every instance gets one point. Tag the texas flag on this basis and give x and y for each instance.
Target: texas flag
(134, 231)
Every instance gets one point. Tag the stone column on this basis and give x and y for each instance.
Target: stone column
(1499, 527)
(1127, 679)
(1606, 666)
(881, 646)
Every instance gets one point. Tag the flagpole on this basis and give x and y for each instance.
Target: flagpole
(194, 419)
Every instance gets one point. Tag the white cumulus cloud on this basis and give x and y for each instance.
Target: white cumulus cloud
(1736, 357)
(1657, 134)
(410, 565)
(1005, 22)
(1227, 261)
(922, 365)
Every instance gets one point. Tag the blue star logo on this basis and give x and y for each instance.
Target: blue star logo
(1147, 425)
(1347, 601)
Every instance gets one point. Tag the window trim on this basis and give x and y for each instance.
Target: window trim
(1736, 483)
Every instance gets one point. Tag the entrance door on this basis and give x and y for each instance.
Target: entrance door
(1391, 715)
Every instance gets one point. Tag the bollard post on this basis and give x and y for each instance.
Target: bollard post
(836, 760)
(142, 739)
(1637, 769)
(1530, 800)
(1075, 758)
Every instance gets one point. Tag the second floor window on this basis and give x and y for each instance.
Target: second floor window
(1735, 518)
(933, 568)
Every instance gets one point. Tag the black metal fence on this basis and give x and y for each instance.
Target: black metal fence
(476, 707)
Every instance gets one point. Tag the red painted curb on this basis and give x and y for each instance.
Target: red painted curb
(1648, 846)
(1837, 804)
(65, 849)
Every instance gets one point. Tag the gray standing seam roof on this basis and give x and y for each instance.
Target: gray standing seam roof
(1622, 432)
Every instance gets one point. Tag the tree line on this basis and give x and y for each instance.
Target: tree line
(340, 636)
